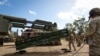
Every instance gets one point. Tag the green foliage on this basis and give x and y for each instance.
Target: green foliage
(78, 26)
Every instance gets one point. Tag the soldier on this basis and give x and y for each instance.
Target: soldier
(81, 38)
(71, 42)
(93, 33)
(71, 38)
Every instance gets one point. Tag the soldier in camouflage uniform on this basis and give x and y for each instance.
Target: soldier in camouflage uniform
(93, 33)
(71, 38)
(71, 42)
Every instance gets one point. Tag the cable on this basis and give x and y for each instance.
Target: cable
(79, 49)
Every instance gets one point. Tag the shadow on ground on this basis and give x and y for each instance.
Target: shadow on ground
(35, 54)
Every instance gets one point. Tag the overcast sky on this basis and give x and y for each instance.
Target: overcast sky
(60, 11)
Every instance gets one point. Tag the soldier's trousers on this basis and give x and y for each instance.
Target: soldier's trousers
(94, 50)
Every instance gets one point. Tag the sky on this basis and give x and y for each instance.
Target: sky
(59, 11)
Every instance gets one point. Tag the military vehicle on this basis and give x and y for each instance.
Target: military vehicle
(48, 32)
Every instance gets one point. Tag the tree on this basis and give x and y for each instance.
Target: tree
(78, 27)
(81, 25)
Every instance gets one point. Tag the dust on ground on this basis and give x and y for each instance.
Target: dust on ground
(9, 50)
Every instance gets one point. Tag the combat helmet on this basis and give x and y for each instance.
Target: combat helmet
(94, 12)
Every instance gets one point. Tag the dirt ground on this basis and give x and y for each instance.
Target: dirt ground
(9, 50)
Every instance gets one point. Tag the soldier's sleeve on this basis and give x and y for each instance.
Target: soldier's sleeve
(92, 28)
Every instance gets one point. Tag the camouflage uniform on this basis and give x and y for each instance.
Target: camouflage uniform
(71, 41)
(94, 37)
